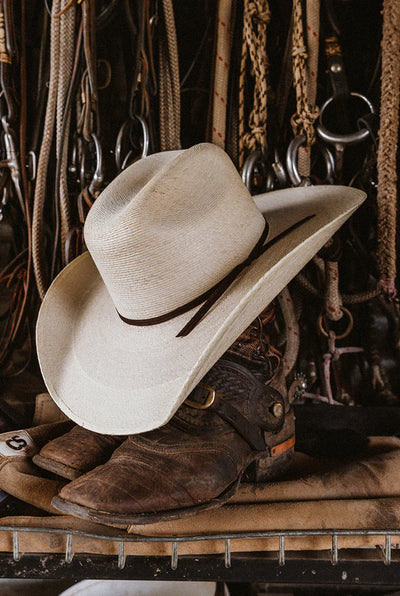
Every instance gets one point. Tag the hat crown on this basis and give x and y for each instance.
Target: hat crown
(169, 228)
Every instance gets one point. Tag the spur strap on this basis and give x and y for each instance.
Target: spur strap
(204, 397)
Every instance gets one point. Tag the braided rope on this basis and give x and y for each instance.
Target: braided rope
(67, 44)
(346, 298)
(303, 119)
(164, 90)
(169, 88)
(333, 299)
(292, 331)
(167, 125)
(172, 43)
(312, 17)
(44, 155)
(255, 19)
(387, 150)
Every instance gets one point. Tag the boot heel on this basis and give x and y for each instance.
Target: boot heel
(279, 457)
(272, 467)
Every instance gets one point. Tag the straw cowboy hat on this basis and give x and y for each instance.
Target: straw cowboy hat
(181, 260)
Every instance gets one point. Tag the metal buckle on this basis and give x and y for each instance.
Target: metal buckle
(209, 401)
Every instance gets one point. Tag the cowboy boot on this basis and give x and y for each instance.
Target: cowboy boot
(76, 452)
(82, 450)
(232, 420)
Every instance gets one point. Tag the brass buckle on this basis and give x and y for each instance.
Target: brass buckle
(209, 401)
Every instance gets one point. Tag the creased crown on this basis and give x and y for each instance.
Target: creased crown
(169, 228)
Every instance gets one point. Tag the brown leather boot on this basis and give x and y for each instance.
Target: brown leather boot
(196, 461)
(76, 452)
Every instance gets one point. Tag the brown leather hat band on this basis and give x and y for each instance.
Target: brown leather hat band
(200, 299)
(213, 294)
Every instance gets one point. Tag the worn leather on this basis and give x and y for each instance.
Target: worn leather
(76, 452)
(18, 476)
(194, 459)
(362, 514)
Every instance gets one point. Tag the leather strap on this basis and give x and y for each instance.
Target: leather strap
(206, 295)
(247, 427)
(282, 447)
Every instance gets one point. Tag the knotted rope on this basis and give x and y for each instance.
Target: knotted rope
(303, 119)
(387, 150)
(256, 16)
(312, 18)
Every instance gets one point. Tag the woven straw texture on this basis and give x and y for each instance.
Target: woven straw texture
(116, 378)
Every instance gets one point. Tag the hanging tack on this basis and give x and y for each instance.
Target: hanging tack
(292, 331)
(121, 555)
(253, 137)
(387, 149)
(281, 557)
(334, 550)
(174, 556)
(68, 549)
(228, 562)
(15, 546)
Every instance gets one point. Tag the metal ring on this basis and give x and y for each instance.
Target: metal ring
(291, 161)
(98, 176)
(345, 332)
(108, 72)
(334, 138)
(146, 136)
(209, 401)
(249, 166)
(279, 170)
(125, 130)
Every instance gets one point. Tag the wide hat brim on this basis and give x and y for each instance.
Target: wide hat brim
(114, 378)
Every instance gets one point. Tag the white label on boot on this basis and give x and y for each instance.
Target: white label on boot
(17, 443)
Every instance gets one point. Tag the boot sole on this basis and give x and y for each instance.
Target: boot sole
(56, 467)
(123, 521)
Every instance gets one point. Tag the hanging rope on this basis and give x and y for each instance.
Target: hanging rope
(346, 298)
(387, 150)
(44, 156)
(333, 299)
(221, 72)
(61, 59)
(303, 120)
(255, 19)
(312, 18)
(169, 84)
(67, 48)
(292, 331)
